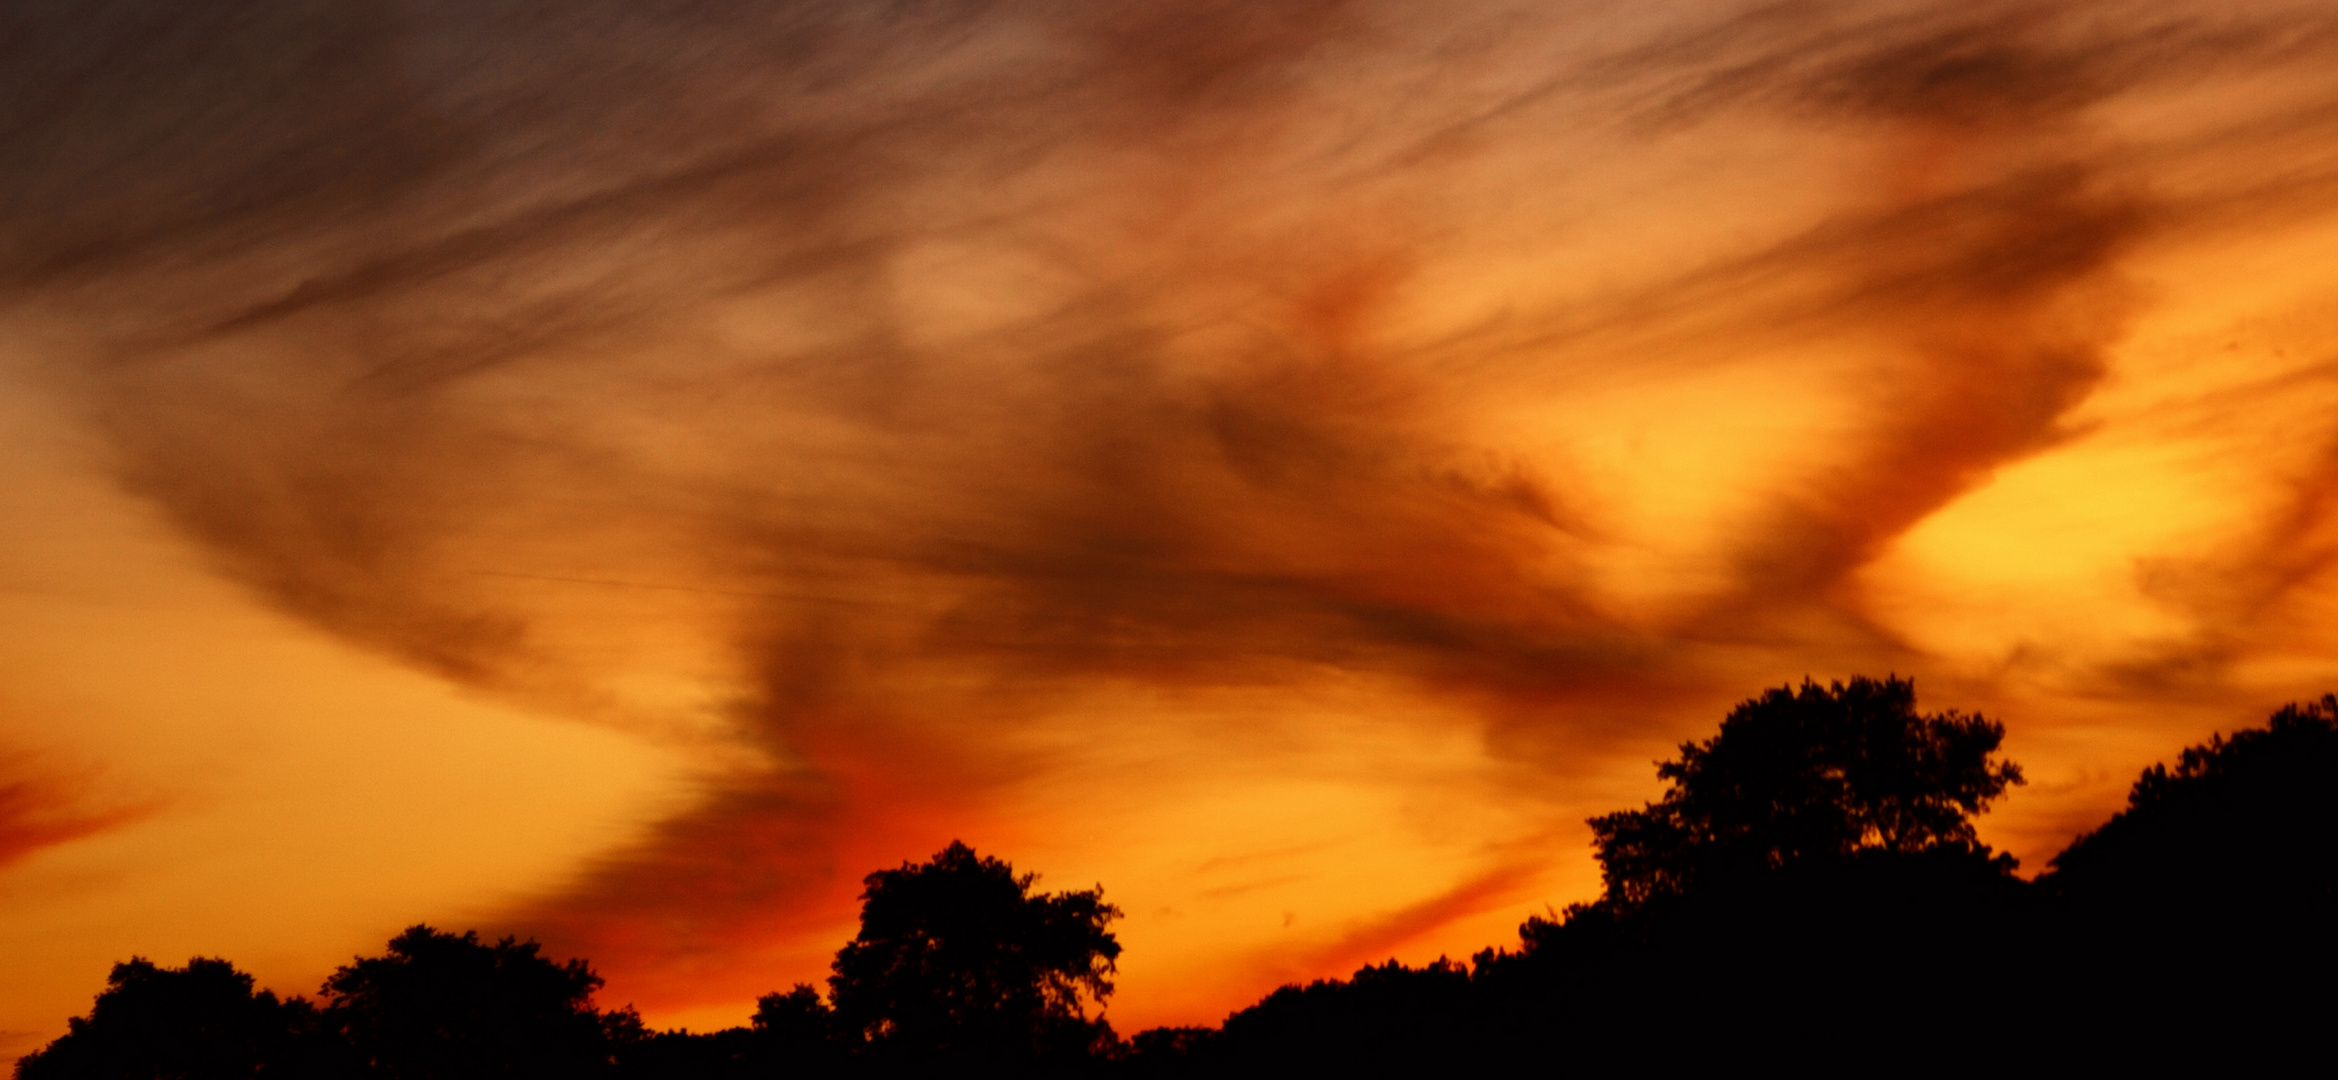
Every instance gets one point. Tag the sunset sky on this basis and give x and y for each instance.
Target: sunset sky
(617, 471)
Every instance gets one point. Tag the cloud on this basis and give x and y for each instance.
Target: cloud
(922, 368)
(41, 808)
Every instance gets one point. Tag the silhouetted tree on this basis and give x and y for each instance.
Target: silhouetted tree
(440, 1006)
(795, 1026)
(958, 958)
(2202, 920)
(1819, 772)
(1809, 892)
(2252, 819)
(203, 1021)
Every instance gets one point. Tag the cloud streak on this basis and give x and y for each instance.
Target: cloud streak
(41, 808)
(927, 373)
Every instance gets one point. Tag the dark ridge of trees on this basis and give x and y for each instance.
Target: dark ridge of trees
(2210, 903)
(792, 1034)
(2245, 820)
(203, 1021)
(958, 965)
(1809, 893)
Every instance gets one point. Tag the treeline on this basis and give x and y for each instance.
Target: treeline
(1809, 892)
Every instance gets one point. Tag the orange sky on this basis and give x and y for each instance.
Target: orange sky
(618, 472)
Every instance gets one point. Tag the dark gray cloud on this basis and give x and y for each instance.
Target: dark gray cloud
(404, 305)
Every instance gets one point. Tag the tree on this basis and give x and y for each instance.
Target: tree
(1387, 1019)
(446, 1007)
(2250, 821)
(1804, 774)
(796, 1021)
(957, 957)
(203, 1021)
(2203, 918)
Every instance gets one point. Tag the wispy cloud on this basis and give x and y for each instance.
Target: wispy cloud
(42, 806)
(925, 366)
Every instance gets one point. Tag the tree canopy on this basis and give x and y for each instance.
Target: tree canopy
(958, 956)
(441, 1006)
(1808, 892)
(203, 1021)
(1803, 773)
(2234, 817)
(2220, 874)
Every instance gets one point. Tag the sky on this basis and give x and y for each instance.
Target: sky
(618, 471)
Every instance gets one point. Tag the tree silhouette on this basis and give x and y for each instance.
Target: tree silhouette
(796, 1023)
(2203, 918)
(1800, 774)
(199, 1022)
(1809, 893)
(2252, 818)
(446, 1007)
(958, 958)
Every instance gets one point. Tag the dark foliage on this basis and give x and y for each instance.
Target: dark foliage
(792, 1034)
(2205, 914)
(2239, 820)
(957, 958)
(1819, 772)
(797, 1026)
(1166, 1051)
(442, 1006)
(199, 1022)
(1809, 894)
(1386, 1017)
(731, 1054)
(1823, 961)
